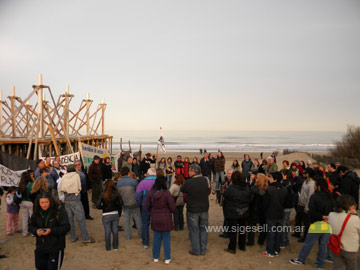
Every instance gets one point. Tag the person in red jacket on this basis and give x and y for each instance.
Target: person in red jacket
(161, 205)
(186, 168)
(179, 166)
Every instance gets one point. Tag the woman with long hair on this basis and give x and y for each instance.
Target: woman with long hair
(161, 205)
(162, 164)
(40, 185)
(257, 212)
(186, 168)
(110, 202)
(195, 160)
(49, 223)
(235, 165)
(26, 205)
(170, 169)
(179, 201)
(219, 169)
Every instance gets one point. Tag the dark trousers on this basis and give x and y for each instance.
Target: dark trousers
(262, 233)
(303, 219)
(96, 191)
(179, 217)
(48, 261)
(251, 233)
(85, 203)
(273, 235)
(236, 227)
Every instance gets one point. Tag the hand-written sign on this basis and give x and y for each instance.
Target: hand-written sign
(88, 152)
(9, 177)
(66, 159)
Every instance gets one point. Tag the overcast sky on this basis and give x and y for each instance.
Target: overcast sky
(191, 65)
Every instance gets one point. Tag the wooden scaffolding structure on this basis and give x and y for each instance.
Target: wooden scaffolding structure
(49, 127)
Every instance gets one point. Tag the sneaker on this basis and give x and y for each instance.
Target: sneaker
(282, 247)
(328, 261)
(267, 254)
(145, 246)
(296, 261)
(277, 254)
(167, 261)
(156, 260)
(318, 267)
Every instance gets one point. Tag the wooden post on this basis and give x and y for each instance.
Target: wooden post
(40, 108)
(13, 117)
(66, 112)
(103, 105)
(87, 114)
(54, 140)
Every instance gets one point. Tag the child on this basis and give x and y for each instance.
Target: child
(12, 212)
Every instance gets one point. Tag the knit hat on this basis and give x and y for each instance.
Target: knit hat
(71, 168)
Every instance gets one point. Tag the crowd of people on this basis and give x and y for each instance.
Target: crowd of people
(257, 198)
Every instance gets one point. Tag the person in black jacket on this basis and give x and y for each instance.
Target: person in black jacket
(146, 164)
(197, 189)
(320, 206)
(274, 205)
(107, 172)
(349, 183)
(49, 223)
(110, 202)
(287, 182)
(237, 199)
(205, 166)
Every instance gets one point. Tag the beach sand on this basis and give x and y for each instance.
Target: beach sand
(132, 255)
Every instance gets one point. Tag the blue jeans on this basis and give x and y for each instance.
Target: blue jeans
(273, 236)
(219, 179)
(75, 209)
(197, 233)
(165, 238)
(168, 180)
(285, 239)
(110, 223)
(135, 213)
(145, 219)
(310, 240)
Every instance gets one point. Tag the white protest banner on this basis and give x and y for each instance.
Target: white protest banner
(88, 152)
(9, 178)
(66, 159)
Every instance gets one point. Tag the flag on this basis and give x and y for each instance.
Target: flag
(161, 142)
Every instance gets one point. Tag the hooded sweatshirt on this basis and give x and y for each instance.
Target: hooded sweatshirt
(161, 204)
(70, 184)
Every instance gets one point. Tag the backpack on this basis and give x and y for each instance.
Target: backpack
(334, 243)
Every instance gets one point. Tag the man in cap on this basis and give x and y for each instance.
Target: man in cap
(95, 176)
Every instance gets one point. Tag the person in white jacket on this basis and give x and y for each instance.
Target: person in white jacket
(345, 205)
(70, 185)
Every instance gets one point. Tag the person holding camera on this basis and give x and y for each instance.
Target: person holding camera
(49, 223)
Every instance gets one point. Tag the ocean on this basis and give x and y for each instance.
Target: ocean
(229, 141)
